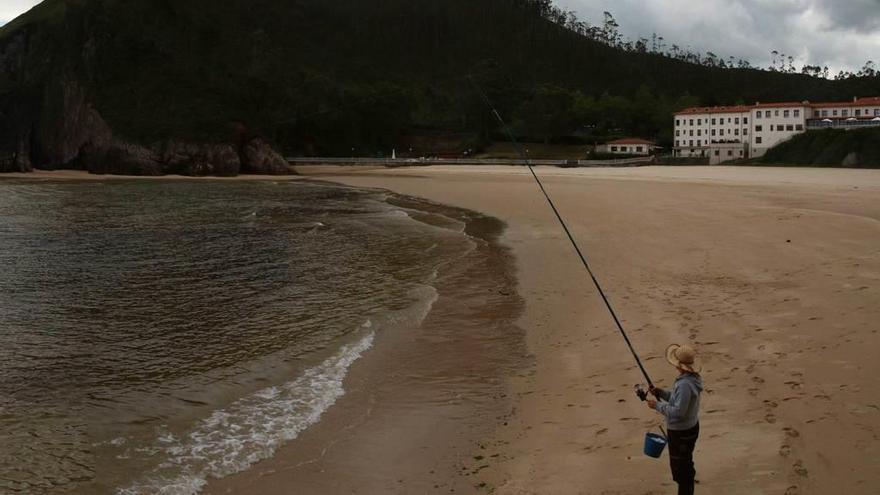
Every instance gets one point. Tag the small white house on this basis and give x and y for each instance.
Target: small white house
(628, 146)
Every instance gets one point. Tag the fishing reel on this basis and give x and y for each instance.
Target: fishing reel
(641, 393)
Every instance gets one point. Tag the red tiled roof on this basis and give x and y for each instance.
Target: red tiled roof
(702, 110)
(859, 102)
(783, 104)
(632, 141)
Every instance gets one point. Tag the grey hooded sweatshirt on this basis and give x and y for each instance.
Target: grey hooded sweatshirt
(682, 406)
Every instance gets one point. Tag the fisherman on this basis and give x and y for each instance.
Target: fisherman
(681, 409)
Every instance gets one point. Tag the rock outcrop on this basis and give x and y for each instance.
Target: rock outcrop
(199, 159)
(257, 157)
(48, 121)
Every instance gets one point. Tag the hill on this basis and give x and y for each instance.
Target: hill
(102, 81)
(829, 148)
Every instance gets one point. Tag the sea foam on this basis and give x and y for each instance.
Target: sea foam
(250, 429)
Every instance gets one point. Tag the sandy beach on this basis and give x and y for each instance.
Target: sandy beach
(772, 274)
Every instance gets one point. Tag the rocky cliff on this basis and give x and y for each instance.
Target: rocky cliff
(48, 118)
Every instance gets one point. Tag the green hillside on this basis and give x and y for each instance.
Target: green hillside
(829, 148)
(332, 76)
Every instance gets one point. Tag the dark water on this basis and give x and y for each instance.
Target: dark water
(156, 334)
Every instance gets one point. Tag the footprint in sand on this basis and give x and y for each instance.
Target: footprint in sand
(770, 418)
(792, 490)
(785, 450)
(800, 469)
(791, 432)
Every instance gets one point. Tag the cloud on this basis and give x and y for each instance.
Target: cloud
(10, 9)
(842, 34)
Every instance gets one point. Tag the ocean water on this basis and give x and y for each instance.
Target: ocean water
(157, 334)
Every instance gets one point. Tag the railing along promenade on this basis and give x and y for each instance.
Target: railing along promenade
(415, 162)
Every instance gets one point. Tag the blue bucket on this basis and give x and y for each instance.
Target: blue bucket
(654, 445)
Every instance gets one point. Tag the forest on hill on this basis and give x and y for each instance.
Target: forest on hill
(342, 77)
(859, 148)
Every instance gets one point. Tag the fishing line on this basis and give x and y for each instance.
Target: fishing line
(571, 238)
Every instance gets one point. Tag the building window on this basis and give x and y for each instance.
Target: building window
(824, 113)
(771, 127)
(789, 127)
(713, 132)
(699, 121)
(758, 140)
(713, 121)
(759, 114)
(692, 132)
(745, 121)
(846, 113)
(717, 152)
(699, 143)
(736, 121)
(691, 144)
(692, 121)
(759, 128)
(699, 132)
(834, 113)
(786, 114)
(728, 120)
(745, 132)
(777, 113)
(639, 149)
(676, 122)
(797, 113)
(614, 149)
(799, 127)
(877, 112)
(677, 133)
(858, 112)
(736, 132)
(817, 113)
(729, 152)
(720, 132)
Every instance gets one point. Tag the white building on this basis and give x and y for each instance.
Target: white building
(628, 146)
(737, 132)
(720, 133)
(774, 123)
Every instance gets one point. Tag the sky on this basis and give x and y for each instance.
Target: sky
(842, 34)
(10, 9)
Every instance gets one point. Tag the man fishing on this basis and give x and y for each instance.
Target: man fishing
(681, 408)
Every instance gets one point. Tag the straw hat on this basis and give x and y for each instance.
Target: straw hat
(683, 357)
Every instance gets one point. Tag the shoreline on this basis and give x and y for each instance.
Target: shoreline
(415, 403)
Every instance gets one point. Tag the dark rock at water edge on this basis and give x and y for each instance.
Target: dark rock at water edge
(257, 157)
(181, 158)
(50, 123)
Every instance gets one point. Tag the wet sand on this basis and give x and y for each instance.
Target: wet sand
(773, 274)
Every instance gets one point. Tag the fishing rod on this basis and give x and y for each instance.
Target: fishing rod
(524, 156)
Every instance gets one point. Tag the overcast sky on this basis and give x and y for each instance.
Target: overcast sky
(10, 9)
(842, 34)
